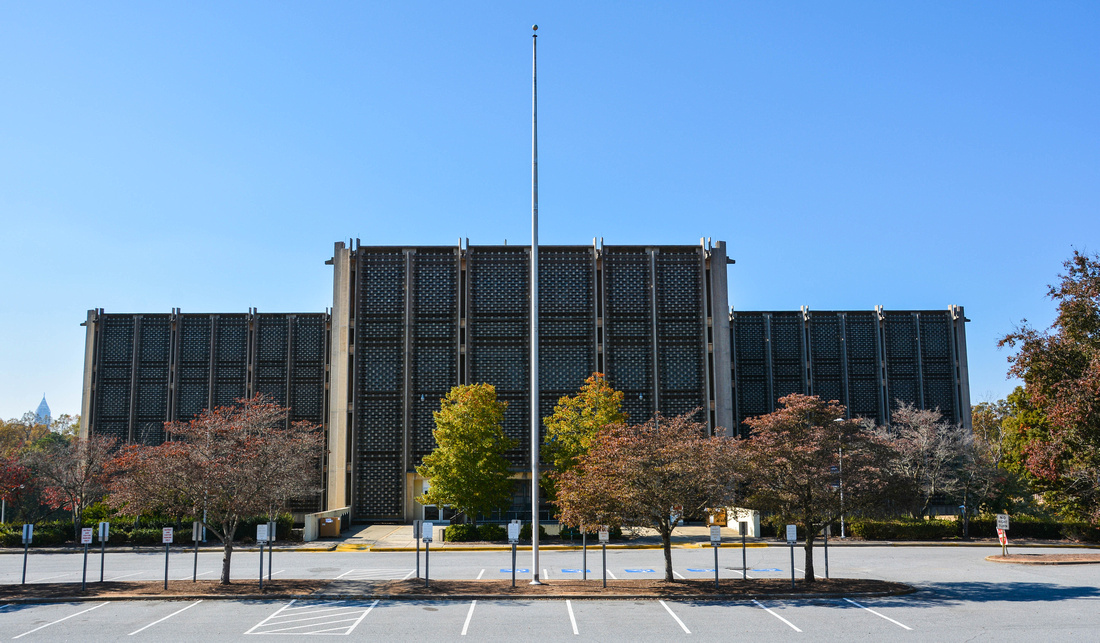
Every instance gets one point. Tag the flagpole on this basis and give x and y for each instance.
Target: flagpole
(534, 310)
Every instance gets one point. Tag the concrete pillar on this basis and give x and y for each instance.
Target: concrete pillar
(720, 335)
(89, 371)
(336, 492)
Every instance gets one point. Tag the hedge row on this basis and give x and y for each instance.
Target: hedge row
(496, 533)
(980, 527)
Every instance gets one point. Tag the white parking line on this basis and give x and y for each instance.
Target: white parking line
(193, 575)
(879, 615)
(741, 572)
(325, 618)
(669, 610)
(573, 620)
(59, 620)
(611, 575)
(479, 574)
(273, 615)
(409, 574)
(39, 580)
(166, 617)
(125, 575)
(545, 574)
(761, 605)
(469, 615)
(677, 574)
(803, 572)
(278, 572)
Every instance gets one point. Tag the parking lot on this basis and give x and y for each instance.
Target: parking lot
(961, 597)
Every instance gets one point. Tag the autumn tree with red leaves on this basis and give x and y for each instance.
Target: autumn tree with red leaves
(634, 475)
(788, 463)
(228, 464)
(1060, 368)
(71, 475)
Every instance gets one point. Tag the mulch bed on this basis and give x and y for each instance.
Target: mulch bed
(1046, 559)
(691, 588)
(442, 589)
(118, 589)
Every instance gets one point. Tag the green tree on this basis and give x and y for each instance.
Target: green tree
(572, 428)
(1060, 368)
(468, 470)
(791, 465)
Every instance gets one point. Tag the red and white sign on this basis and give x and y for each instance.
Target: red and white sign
(1002, 537)
(166, 536)
(86, 535)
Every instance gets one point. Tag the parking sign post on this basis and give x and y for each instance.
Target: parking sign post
(104, 528)
(429, 530)
(604, 537)
(28, 535)
(85, 539)
(743, 527)
(1002, 532)
(166, 537)
(196, 535)
(715, 541)
(584, 553)
(416, 535)
(792, 536)
(513, 538)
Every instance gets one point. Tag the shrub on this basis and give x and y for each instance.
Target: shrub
(572, 533)
(491, 532)
(525, 532)
(143, 536)
(904, 529)
(460, 533)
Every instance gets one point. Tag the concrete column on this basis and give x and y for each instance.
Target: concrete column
(720, 335)
(89, 370)
(336, 493)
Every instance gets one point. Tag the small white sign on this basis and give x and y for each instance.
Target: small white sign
(28, 534)
(86, 535)
(513, 531)
(1002, 521)
(104, 531)
(196, 531)
(166, 536)
(792, 533)
(427, 529)
(604, 535)
(715, 534)
(261, 533)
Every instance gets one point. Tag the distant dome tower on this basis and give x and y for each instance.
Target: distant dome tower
(42, 415)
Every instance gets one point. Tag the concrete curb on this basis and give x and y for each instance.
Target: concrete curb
(454, 597)
(1011, 560)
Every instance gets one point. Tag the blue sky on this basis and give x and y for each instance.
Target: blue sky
(207, 155)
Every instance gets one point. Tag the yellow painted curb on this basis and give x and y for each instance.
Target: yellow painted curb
(347, 547)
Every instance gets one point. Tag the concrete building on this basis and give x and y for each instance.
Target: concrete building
(409, 322)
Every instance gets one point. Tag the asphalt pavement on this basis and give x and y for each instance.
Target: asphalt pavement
(961, 597)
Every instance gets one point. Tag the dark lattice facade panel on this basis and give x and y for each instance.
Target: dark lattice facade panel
(154, 351)
(863, 365)
(750, 366)
(566, 283)
(193, 366)
(681, 331)
(628, 328)
(379, 381)
(497, 320)
(114, 373)
(563, 368)
(786, 345)
(937, 363)
(307, 369)
(434, 343)
(826, 369)
(902, 369)
(230, 359)
(272, 350)
(379, 485)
